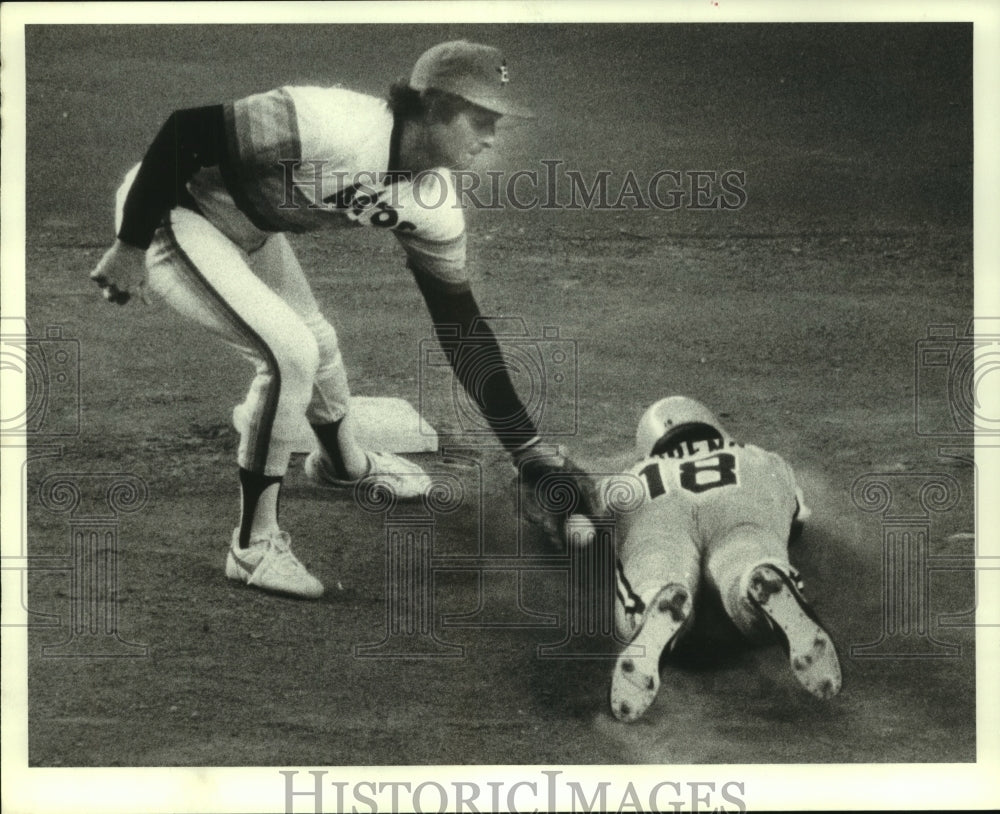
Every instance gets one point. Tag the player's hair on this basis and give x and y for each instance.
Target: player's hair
(407, 103)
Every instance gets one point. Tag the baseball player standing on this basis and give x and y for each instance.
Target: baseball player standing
(707, 505)
(201, 223)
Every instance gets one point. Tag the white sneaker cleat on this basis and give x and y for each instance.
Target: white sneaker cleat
(636, 679)
(810, 650)
(403, 478)
(268, 563)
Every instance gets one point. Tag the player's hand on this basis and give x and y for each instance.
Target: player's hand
(561, 482)
(554, 489)
(121, 274)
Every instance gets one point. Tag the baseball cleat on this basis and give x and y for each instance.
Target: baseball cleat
(636, 678)
(268, 563)
(811, 652)
(403, 478)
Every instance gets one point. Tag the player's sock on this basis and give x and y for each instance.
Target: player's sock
(328, 435)
(258, 502)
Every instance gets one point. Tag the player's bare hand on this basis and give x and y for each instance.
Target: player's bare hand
(121, 274)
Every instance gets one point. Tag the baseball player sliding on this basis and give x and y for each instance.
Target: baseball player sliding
(201, 224)
(707, 506)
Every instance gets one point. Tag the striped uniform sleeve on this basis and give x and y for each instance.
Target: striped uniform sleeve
(262, 136)
(247, 139)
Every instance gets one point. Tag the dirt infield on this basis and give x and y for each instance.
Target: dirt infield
(798, 316)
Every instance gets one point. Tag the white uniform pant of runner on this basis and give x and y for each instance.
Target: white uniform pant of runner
(657, 552)
(260, 303)
(723, 534)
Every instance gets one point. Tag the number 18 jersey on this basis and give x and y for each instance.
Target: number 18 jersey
(720, 484)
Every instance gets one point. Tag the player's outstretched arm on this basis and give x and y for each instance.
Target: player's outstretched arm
(555, 471)
(476, 359)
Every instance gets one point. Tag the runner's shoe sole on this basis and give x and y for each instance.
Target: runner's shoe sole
(811, 652)
(636, 678)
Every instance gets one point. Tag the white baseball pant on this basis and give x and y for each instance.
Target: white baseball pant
(259, 302)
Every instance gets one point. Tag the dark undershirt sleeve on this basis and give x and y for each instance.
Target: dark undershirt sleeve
(476, 358)
(189, 140)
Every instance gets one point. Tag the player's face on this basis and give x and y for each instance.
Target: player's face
(456, 143)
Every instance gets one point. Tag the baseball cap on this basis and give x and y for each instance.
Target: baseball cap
(477, 73)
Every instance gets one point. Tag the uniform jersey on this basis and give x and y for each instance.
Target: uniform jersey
(217, 188)
(719, 483)
(299, 159)
(713, 505)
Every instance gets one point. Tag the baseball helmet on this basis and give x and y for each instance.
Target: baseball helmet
(673, 420)
(477, 73)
